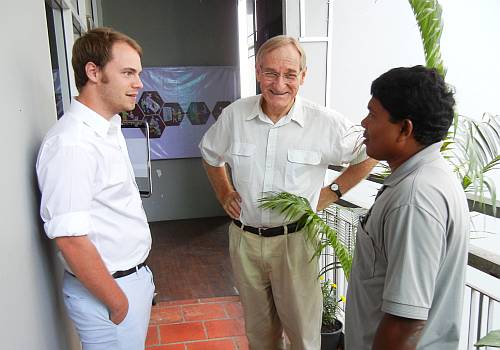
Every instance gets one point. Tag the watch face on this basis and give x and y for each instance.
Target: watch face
(334, 187)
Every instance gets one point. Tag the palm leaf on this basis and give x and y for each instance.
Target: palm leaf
(472, 148)
(476, 152)
(428, 15)
(491, 339)
(318, 233)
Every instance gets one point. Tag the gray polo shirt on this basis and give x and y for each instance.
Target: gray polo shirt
(411, 255)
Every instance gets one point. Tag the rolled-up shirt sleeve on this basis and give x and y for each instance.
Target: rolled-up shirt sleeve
(216, 141)
(347, 141)
(66, 176)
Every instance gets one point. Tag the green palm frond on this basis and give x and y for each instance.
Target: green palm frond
(491, 339)
(472, 148)
(319, 234)
(476, 152)
(428, 15)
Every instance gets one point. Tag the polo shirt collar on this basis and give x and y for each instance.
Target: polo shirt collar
(93, 119)
(426, 155)
(294, 114)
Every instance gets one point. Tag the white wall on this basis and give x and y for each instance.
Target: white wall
(369, 38)
(471, 51)
(31, 315)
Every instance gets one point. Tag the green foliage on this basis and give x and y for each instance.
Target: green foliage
(474, 153)
(319, 234)
(428, 15)
(491, 339)
(473, 147)
(331, 302)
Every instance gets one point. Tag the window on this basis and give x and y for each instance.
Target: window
(66, 21)
(55, 27)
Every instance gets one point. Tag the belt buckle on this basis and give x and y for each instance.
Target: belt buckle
(260, 231)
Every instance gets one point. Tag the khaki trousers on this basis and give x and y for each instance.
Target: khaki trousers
(279, 289)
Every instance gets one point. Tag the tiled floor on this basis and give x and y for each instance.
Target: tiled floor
(190, 259)
(197, 324)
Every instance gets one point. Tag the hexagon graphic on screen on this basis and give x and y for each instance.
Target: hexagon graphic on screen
(150, 102)
(172, 114)
(156, 126)
(198, 113)
(133, 115)
(219, 106)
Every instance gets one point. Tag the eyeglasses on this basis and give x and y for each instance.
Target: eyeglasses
(287, 77)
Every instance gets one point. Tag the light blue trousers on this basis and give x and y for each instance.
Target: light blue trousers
(91, 317)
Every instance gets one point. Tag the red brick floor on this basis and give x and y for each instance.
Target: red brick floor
(197, 324)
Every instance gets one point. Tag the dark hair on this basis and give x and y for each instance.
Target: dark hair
(95, 46)
(419, 94)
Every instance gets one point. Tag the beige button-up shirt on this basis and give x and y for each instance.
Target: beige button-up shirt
(291, 155)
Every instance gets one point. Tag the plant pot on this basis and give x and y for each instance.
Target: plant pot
(334, 339)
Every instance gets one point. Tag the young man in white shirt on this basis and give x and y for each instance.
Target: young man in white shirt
(91, 205)
(278, 142)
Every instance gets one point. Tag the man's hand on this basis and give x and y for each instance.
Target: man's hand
(349, 178)
(326, 196)
(119, 310)
(224, 190)
(231, 204)
(86, 263)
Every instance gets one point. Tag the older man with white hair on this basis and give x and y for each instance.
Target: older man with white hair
(277, 142)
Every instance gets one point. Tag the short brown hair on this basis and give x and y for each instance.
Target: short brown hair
(95, 46)
(277, 42)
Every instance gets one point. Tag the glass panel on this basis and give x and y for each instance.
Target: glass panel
(316, 17)
(88, 8)
(314, 87)
(74, 3)
(77, 30)
(89, 14)
(58, 56)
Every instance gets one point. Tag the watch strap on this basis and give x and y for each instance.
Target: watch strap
(336, 188)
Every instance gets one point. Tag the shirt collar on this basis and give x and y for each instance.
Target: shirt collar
(294, 114)
(93, 119)
(426, 155)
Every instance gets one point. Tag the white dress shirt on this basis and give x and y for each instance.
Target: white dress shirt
(291, 155)
(88, 187)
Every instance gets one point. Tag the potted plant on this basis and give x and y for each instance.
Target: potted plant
(331, 326)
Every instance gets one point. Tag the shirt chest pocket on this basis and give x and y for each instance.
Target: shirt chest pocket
(364, 255)
(299, 166)
(242, 155)
(118, 172)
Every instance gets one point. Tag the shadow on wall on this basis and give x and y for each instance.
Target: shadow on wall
(52, 271)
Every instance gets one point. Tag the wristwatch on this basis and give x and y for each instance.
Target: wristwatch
(335, 188)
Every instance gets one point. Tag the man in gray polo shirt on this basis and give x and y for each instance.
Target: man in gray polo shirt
(407, 280)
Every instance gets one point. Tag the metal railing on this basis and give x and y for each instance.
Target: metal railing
(480, 314)
(480, 305)
(344, 221)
